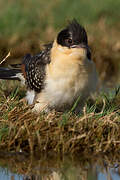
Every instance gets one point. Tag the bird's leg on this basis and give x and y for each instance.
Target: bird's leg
(41, 105)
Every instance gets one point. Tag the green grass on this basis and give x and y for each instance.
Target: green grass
(87, 11)
(26, 25)
(23, 17)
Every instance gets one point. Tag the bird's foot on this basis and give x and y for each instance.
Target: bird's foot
(38, 108)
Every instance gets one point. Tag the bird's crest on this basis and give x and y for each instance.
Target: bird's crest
(78, 31)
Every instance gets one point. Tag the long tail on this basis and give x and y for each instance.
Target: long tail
(11, 73)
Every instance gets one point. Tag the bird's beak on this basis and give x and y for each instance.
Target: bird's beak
(85, 46)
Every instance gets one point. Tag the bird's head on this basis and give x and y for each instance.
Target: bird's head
(73, 41)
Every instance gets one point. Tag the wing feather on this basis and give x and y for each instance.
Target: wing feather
(34, 68)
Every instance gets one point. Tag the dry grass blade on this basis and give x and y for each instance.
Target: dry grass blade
(5, 58)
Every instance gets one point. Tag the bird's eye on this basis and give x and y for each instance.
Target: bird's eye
(69, 41)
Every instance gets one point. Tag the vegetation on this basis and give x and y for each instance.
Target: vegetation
(24, 26)
(23, 17)
(96, 130)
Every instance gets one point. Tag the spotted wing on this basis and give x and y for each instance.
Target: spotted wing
(33, 68)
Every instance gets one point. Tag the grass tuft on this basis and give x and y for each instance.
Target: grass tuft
(96, 130)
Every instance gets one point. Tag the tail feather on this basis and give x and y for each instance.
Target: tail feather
(15, 66)
(10, 74)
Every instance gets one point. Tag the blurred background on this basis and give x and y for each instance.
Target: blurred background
(25, 25)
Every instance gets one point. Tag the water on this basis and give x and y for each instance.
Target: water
(51, 167)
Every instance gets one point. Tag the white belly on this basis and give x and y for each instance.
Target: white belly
(67, 87)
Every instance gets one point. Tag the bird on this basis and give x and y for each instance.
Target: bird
(62, 74)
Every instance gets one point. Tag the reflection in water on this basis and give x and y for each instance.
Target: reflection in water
(20, 167)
